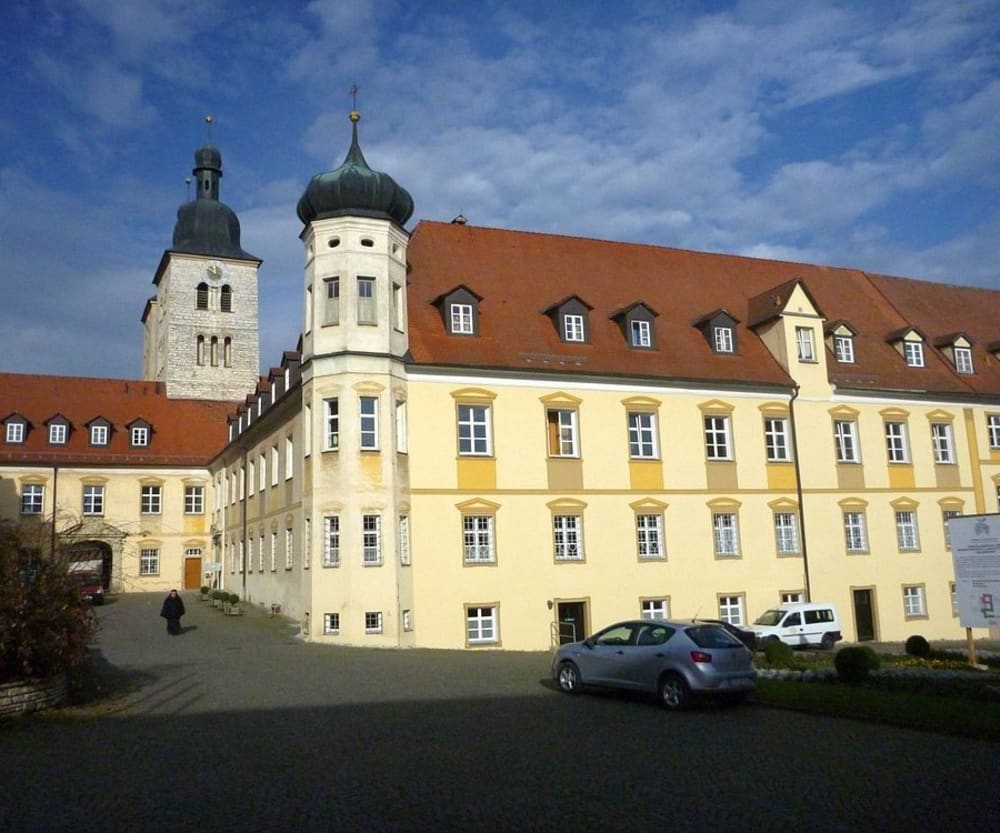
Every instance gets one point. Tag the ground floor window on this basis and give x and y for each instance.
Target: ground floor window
(655, 608)
(914, 605)
(373, 621)
(331, 623)
(481, 625)
(732, 610)
(149, 562)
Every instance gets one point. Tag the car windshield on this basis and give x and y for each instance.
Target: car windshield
(769, 617)
(712, 636)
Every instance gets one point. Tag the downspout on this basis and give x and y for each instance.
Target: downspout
(243, 508)
(803, 538)
(55, 495)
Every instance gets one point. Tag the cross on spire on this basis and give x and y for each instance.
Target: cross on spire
(355, 89)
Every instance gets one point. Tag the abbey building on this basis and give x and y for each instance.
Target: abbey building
(500, 439)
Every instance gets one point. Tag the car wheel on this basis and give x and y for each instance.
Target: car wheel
(674, 692)
(569, 678)
(827, 642)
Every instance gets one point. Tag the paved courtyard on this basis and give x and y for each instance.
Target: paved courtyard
(238, 725)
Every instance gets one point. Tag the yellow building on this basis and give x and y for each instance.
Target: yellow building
(500, 439)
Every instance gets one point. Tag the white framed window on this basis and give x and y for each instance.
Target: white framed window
(642, 438)
(906, 531)
(845, 438)
(402, 436)
(641, 333)
(895, 442)
(366, 301)
(804, 344)
(261, 472)
(93, 500)
(369, 423)
(568, 537)
(250, 479)
(306, 542)
(786, 533)
(732, 609)
(140, 436)
(274, 551)
(371, 540)
(717, 438)
(289, 458)
(776, 440)
(943, 441)
(14, 432)
(725, 534)
(194, 500)
(407, 619)
(474, 430)
(274, 465)
(260, 553)
(149, 561)
(993, 429)
(656, 609)
(649, 536)
(481, 625)
(963, 360)
(32, 499)
(573, 328)
(331, 418)
(722, 337)
(478, 540)
(947, 515)
(331, 300)
(913, 352)
(562, 432)
(403, 540)
(289, 548)
(461, 319)
(331, 624)
(373, 621)
(98, 434)
(57, 433)
(855, 532)
(843, 349)
(398, 307)
(793, 597)
(914, 605)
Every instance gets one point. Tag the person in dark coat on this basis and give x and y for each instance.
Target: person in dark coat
(172, 611)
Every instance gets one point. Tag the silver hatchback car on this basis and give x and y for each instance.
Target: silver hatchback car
(674, 660)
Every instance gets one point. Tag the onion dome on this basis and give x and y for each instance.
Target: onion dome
(206, 226)
(355, 189)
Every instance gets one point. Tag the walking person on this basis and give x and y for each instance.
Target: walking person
(172, 611)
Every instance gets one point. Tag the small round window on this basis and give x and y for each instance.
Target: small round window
(367, 242)
(333, 242)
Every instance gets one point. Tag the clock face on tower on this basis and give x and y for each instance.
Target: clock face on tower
(214, 271)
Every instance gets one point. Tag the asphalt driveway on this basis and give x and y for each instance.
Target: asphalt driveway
(237, 725)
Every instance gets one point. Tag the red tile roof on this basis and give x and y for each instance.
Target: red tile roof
(519, 275)
(185, 432)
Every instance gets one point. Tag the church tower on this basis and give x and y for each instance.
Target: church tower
(202, 328)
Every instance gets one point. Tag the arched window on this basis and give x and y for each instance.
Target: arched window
(215, 351)
(201, 350)
(202, 301)
(226, 299)
(227, 352)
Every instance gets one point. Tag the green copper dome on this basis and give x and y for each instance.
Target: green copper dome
(355, 189)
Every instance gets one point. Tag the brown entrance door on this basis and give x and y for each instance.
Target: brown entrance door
(572, 624)
(192, 573)
(864, 615)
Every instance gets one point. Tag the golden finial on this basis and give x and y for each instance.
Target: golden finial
(208, 120)
(355, 115)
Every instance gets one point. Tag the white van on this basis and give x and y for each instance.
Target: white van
(806, 623)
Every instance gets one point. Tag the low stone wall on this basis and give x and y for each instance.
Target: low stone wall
(23, 696)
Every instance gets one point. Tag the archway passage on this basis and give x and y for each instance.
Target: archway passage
(95, 555)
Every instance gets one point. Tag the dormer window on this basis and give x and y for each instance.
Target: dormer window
(459, 310)
(571, 319)
(58, 431)
(913, 352)
(963, 359)
(14, 431)
(804, 344)
(636, 323)
(641, 333)
(461, 319)
(99, 432)
(138, 433)
(722, 338)
(843, 349)
(719, 329)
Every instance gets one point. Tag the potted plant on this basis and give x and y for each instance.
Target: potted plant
(204, 593)
(234, 604)
(217, 598)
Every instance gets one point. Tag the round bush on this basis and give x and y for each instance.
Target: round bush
(778, 654)
(917, 646)
(854, 662)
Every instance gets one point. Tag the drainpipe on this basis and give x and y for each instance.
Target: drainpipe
(55, 495)
(803, 538)
(243, 506)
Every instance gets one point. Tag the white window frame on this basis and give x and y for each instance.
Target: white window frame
(367, 301)
(573, 327)
(723, 339)
(482, 625)
(289, 458)
(726, 534)
(914, 602)
(943, 440)
(786, 533)
(368, 423)
(371, 540)
(641, 333)
(643, 442)
(897, 448)
(331, 424)
(567, 535)
(843, 349)
(194, 500)
(331, 624)
(373, 621)
(149, 561)
(732, 609)
(478, 539)
(331, 301)
(15, 432)
(289, 548)
(402, 427)
(563, 432)
(139, 436)
(93, 497)
(649, 536)
(947, 515)
(475, 434)
(855, 532)
(98, 434)
(845, 437)
(993, 429)
(718, 437)
(461, 319)
(907, 533)
(32, 499)
(656, 610)
(776, 440)
(58, 433)
(913, 352)
(274, 551)
(963, 360)
(805, 344)
(403, 540)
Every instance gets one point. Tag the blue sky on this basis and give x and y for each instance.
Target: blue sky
(846, 133)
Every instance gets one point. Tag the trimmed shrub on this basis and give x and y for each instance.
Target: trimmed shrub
(234, 598)
(917, 646)
(854, 662)
(778, 654)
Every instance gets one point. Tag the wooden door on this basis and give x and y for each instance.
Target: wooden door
(192, 573)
